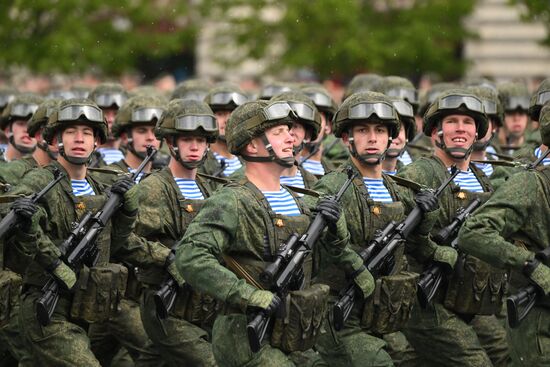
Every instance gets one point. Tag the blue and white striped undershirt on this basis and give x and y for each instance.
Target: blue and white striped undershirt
(539, 153)
(189, 188)
(296, 181)
(377, 190)
(467, 181)
(486, 168)
(139, 177)
(391, 173)
(110, 155)
(313, 167)
(82, 188)
(281, 202)
(231, 164)
(405, 158)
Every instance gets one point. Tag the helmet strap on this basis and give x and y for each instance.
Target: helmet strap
(364, 158)
(74, 160)
(21, 149)
(132, 148)
(175, 152)
(449, 151)
(284, 162)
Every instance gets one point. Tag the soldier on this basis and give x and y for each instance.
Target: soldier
(12, 173)
(74, 128)
(223, 99)
(243, 225)
(450, 324)
(272, 89)
(514, 98)
(367, 122)
(14, 121)
(7, 94)
(195, 89)
(361, 83)
(169, 200)
(109, 97)
(135, 126)
(513, 228)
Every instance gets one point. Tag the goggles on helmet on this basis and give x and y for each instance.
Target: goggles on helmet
(225, 98)
(365, 110)
(193, 122)
(146, 114)
(275, 111)
(411, 95)
(109, 99)
(543, 97)
(490, 107)
(73, 113)
(5, 99)
(517, 102)
(455, 101)
(23, 109)
(403, 108)
(194, 96)
(303, 111)
(50, 110)
(272, 90)
(320, 99)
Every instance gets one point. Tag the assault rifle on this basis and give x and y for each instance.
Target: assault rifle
(431, 278)
(286, 273)
(166, 295)
(219, 171)
(379, 253)
(11, 218)
(80, 246)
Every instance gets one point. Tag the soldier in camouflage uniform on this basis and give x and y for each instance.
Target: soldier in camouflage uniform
(242, 226)
(222, 99)
(514, 98)
(450, 325)
(12, 173)
(367, 123)
(513, 227)
(74, 128)
(169, 200)
(7, 94)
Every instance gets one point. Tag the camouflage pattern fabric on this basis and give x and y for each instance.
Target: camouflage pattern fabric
(12, 172)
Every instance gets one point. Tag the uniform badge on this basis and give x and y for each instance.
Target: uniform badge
(189, 208)
(376, 210)
(279, 223)
(80, 206)
(461, 195)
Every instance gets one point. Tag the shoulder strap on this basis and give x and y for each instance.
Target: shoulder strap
(406, 183)
(482, 178)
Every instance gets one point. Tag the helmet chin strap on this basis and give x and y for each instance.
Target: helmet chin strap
(74, 160)
(481, 146)
(222, 138)
(132, 148)
(364, 158)
(286, 162)
(21, 149)
(441, 144)
(42, 145)
(175, 152)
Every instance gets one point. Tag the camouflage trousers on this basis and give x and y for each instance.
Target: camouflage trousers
(124, 328)
(531, 339)
(231, 348)
(480, 342)
(179, 342)
(12, 342)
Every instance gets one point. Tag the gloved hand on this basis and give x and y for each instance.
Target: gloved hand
(365, 281)
(65, 275)
(123, 186)
(265, 300)
(24, 208)
(446, 255)
(329, 208)
(539, 274)
(427, 201)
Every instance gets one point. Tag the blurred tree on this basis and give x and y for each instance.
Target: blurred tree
(339, 38)
(537, 10)
(75, 35)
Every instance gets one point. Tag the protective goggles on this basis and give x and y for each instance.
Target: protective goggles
(411, 95)
(193, 122)
(23, 109)
(5, 99)
(517, 103)
(403, 108)
(320, 99)
(226, 98)
(73, 113)
(303, 111)
(455, 101)
(363, 111)
(194, 96)
(146, 114)
(543, 97)
(275, 111)
(109, 99)
(272, 90)
(50, 110)
(490, 107)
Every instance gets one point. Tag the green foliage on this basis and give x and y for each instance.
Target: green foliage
(537, 10)
(75, 35)
(342, 38)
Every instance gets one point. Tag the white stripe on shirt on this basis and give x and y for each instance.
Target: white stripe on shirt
(281, 202)
(82, 188)
(231, 164)
(539, 153)
(377, 190)
(467, 181)
(139, 177)
(110, 155)
(296, 181)
(314, 167)
(405, 158)
(189, 188)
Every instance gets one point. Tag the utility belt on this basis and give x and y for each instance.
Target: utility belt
(389, 307)
(10, 289)
(194, 307)
(475, 288)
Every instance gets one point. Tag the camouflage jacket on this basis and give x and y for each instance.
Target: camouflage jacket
(12, 172)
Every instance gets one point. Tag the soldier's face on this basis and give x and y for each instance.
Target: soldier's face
(370, 138)
(298, 132)
(400, 141)
(221, 118)
(20, 135)
(78, 141)
(459, 131)
(109, 114)
(282, 142)
(515, 123)
(143, 136)
(191, 148)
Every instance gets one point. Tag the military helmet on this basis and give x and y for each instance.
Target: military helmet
(40, 118)
(545, 123)
(76, 111)
(7, 94)
(539, 98)
(81, 91)
(225, 97)
(396, 86)
(305, 110)
(187, 116)
(428, 97)
(321, 98)
(138, 110)
(272, 89)
(108, 95)
(21, 107)
(195, 89)
(253, 118)
(405, 111)
(513, 96)
(456, 101)
(361, 83)
(491, 102)
(366, 106)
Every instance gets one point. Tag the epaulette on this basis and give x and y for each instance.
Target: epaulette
(300, 190)
(221, 180)
(110, 171)
(502, 163)
(406, 183)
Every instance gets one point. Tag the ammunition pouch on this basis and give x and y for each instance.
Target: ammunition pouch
(476, 288)
(134, 288)
(198, 309)
(303, 317)
(389, 308)
(10, 288)
(98, 292)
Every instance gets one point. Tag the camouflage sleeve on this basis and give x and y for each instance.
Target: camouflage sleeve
(209, 236)
(485, 234)
(12, 172)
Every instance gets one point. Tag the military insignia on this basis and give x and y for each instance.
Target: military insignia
(189, 208)
(461, 195)
(376, 210)
(80, 206)
(279, 223)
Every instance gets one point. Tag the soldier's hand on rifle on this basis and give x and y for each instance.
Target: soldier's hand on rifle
(329, 208)
(25, 209)
(265, 300)
(427, 201)
(65, 275)
(170, 266)
(364, 281)
(446, 255)
(123, 186)
(539, 274)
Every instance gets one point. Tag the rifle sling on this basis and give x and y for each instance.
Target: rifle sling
(237, 268)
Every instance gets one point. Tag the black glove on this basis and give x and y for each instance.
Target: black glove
(274, 305)
(122, 185)
(427, 201)
(24, 208)
(329, 208)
